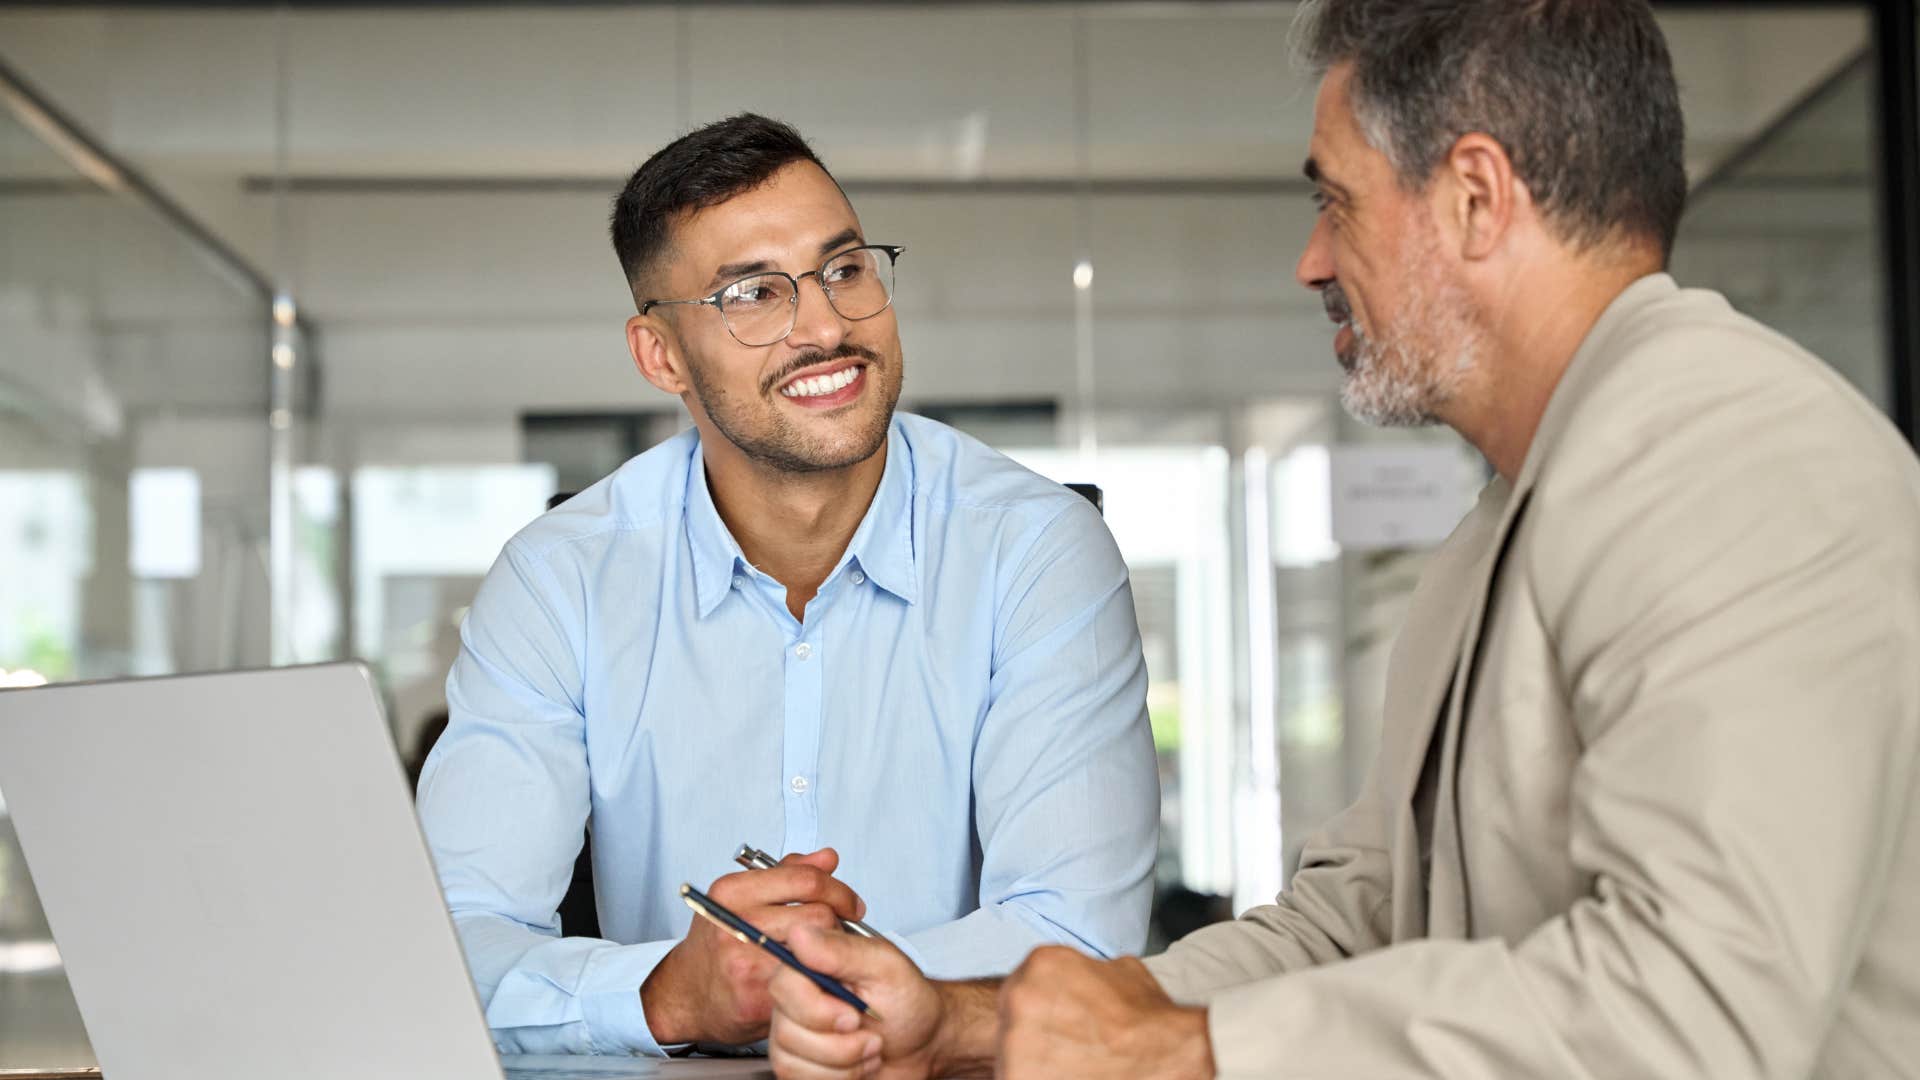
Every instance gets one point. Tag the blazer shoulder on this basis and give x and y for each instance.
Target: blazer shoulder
(1705, 443)
(1700, 387)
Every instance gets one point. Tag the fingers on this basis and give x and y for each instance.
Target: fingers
(1035, 985)
(781, 923)
(806, 1005)
(814, 1035)
(794, 1064)
(790, 1066)
(851, 958)
(825, 859)
(829, 1047)
(829, 860)
(794, 882)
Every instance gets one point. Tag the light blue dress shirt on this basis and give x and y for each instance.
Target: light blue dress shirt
(961, 713)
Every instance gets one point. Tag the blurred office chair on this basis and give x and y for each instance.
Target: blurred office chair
(579, 915)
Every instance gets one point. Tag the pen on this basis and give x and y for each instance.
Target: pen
(745, 931)
(754, 859)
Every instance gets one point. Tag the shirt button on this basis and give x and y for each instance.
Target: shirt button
(802, 650)
(859, 578)
(799, 785)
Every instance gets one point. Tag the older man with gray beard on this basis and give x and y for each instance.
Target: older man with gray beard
(1645, 802)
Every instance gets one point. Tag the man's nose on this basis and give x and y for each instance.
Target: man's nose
(816, 325)
(1315, 268)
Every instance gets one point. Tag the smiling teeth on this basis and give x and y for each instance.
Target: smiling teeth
(821, 385)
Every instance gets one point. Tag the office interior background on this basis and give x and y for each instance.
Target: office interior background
(306, 308)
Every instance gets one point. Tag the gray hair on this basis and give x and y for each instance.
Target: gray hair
(1580, 93)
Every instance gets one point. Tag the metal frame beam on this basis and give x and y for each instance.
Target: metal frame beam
(1898, 122)
(103, 170)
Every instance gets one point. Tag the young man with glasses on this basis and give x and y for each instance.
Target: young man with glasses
(806, 622)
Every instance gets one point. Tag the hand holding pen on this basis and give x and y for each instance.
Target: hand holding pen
(746, 933)
(754, 859)
(711, 987)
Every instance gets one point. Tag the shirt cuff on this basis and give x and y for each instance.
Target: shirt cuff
(616, 1020)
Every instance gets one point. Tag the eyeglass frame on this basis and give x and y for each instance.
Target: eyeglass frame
(894, 251)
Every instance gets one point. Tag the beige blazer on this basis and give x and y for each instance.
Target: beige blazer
(1675, 674)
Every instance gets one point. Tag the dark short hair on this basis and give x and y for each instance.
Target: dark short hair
(703, 168)
(1580, 93)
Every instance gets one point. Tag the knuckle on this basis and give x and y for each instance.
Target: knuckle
(1023, 1000)
(1048, 960)
(724, 889)
(812, 884)
(1020, 997)
(738, 968)
(781, 989)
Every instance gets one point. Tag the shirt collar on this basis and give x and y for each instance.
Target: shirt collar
(882, 545)
(715, 554)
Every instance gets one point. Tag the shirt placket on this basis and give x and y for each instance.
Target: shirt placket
(800, 752)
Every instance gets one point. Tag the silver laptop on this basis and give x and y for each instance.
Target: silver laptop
(238, 886)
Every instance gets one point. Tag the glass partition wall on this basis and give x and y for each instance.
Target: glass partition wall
(133, 484)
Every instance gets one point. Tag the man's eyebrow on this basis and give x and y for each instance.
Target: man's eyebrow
(1313, 173)
(731, 272)
(734, 271)
(839, 240)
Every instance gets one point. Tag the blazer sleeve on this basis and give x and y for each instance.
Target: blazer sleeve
(1337, 905)
(1728, 571)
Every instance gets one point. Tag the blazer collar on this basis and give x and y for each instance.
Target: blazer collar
(1590, 363)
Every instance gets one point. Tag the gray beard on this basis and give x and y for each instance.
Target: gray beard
(1399, 381)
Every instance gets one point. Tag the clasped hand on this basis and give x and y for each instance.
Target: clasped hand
(1060, 1015)
(712, 987)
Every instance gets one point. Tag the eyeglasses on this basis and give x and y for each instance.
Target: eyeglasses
(760, 310)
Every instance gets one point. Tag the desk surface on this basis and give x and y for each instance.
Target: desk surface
(627, 1068)
(537, 1068)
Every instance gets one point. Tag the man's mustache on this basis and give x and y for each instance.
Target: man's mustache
(847, 351)
(1335, 299)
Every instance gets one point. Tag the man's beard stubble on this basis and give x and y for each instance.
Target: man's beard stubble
(779, 444)
(1402, 375)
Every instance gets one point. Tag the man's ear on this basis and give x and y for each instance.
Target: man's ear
(1481, 194)
(656, 352)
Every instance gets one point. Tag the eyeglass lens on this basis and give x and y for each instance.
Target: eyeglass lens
(760, 310)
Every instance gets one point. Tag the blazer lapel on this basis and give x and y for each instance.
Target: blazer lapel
(1448, 898)
(1419, 675)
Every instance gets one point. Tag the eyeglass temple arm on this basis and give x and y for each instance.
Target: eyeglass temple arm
(710, 301)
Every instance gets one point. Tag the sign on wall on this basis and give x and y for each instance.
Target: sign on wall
(1398, 496)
